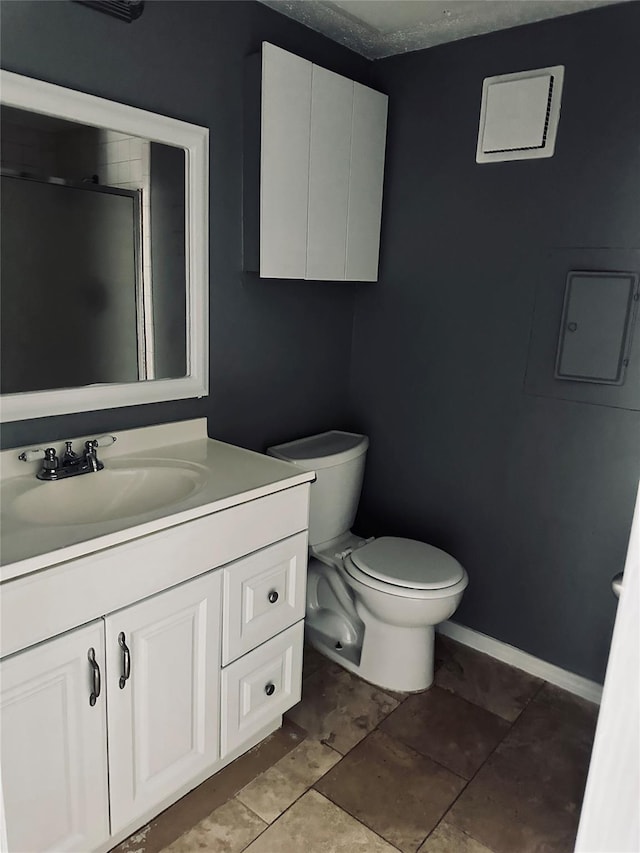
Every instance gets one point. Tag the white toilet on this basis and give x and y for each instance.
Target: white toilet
(372, 604)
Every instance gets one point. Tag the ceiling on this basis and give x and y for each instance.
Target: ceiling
(379, 28)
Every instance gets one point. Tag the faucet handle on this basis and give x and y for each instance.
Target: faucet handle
(31, 455)
(50, 460)
(104, 440)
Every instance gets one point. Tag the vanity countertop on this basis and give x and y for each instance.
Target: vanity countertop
(230, 476)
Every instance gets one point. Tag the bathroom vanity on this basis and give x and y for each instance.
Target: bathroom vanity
(151, 628)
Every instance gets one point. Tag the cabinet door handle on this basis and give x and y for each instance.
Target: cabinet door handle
(270, 689)
(273, 596)
(126, 660)
(95, 674)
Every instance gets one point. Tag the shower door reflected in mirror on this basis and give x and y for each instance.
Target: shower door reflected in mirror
(93, 287)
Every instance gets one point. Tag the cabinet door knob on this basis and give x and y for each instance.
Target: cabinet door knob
(126, 660)
(270, 689)
(273, 596)
(95, 675)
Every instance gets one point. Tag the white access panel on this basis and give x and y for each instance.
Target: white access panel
(284, 163)
(330, 152)
(368, 140)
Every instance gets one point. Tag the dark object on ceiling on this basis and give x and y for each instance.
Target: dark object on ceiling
(125, 10)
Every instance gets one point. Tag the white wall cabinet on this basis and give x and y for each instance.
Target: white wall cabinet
(54, 745)
(321, 172)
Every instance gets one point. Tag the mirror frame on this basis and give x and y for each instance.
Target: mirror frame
(49, 99)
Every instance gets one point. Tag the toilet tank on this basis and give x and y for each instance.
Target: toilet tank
(338, 460)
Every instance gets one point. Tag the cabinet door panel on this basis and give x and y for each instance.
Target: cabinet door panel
(365, 183)
(284, 163)
(54, 746)
(330, 151)
(163, 721)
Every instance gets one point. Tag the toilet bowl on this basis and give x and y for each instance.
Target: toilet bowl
(372, 604)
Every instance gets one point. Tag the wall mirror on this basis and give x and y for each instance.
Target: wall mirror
(104, 253)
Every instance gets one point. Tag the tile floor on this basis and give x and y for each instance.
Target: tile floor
(489, 760)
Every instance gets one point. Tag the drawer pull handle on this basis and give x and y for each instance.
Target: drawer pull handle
(95, 674)
(273, 596)
(270, 689)
(126, 660)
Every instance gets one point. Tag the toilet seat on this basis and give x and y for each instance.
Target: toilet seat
(404, 563)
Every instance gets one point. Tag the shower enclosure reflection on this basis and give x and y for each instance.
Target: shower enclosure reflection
(93, 258)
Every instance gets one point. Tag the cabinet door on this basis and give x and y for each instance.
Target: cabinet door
(163, 661)
(54, 745)
(368, 141)
(284, 163)
(329, 155)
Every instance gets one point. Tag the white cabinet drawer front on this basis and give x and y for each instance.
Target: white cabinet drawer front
(163, 695)
(54, 746)
(100, 583)
(263, 595)
(261, 686)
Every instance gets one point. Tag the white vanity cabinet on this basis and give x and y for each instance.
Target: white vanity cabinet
(185, 622)
(54, 744)
(151, 691)
(190, 638)
(322, 147)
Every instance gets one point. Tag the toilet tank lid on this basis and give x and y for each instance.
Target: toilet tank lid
(323, 450)
(408, 563)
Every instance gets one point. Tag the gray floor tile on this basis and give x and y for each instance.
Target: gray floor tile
(527, 796)
(394, 790)
(446, 838)
(273, 791)
(315, 825)
(483, 680)
(340, 709)
(447, 728)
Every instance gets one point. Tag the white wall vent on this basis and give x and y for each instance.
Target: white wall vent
(519, 115)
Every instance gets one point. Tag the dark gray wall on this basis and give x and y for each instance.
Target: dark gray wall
(534, 495)
(274, 372)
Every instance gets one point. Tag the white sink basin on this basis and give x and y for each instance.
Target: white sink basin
(117, 492)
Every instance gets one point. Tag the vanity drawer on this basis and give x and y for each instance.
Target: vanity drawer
(262, 595)
(260, 686)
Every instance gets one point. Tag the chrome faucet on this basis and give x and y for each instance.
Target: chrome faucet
(70, 464)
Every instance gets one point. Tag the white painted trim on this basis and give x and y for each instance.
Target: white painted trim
(576, 684)
(27, 94)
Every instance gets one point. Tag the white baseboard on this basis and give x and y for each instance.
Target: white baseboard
(576, 684)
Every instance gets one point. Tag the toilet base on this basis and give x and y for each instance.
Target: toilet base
(392, 658)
